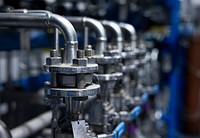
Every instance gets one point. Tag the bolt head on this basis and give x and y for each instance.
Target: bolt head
(53, 60)
(80, 61)
(91, 60)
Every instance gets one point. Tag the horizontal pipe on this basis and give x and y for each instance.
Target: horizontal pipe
(4, 131)
(32, 126)
(115, 28)
(38, 18)
(132, 33)
(96, 26)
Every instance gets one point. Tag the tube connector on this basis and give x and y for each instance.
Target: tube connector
(131, 30)
(96, 26)
(40, 18)
(115, 28)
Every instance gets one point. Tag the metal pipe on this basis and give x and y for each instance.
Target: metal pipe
(85, 37)
(131, 30)
(39, 18)
(115, 28)
(32, 126)
(56, 37)
(4, 131)
(96, 26)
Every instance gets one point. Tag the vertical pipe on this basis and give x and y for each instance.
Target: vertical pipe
(85, 37)
(56, 37)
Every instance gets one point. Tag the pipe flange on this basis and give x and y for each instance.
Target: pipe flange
(129, 68)
(111, 53)
(139, 63)
(108, 60)
(71, 69)
(140, 53)
(90, 90)
(110, 77)
(127, 54)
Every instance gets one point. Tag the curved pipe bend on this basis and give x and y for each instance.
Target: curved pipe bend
(96, 26)
(131, 30)
(40, 18)
(115, 28)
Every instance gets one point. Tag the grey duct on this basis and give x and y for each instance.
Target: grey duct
(32, 126)
(115, 28)
(25, 18)
(96, 26)
(131, 30)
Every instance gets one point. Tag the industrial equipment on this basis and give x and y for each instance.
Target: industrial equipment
(70, 73)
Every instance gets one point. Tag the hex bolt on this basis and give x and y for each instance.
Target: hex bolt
(80, 54)
(89, 51)
(53, 53)
(53, 59)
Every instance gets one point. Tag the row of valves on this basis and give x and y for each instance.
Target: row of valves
(96, 91)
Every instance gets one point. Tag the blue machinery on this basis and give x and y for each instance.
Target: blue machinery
(176, 74)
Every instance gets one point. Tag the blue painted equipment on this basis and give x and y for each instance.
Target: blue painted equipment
(135, 112)
(119, 130)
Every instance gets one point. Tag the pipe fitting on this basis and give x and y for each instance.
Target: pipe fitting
(131, 30)
(96, 26)
(115, 28)
(40, 18)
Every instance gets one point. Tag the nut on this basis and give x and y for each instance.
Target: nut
(80, 61)
(53, 60)
(91, 60)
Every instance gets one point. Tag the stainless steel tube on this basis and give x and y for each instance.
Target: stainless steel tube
(56, 37)
(96, 26)
(4, 131)
(115, 28)
(32, 126)
(131, 30)
(85, 36)
(44, 19)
